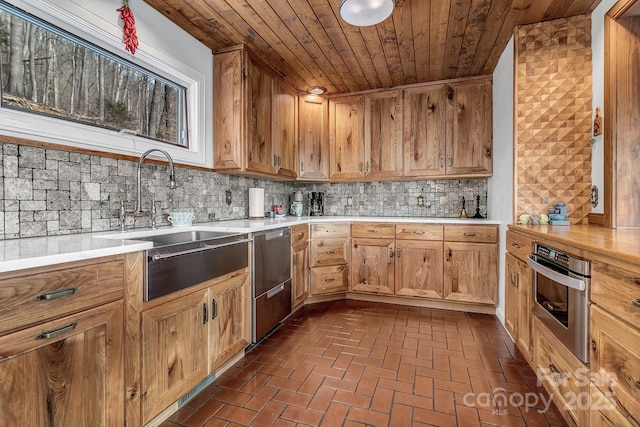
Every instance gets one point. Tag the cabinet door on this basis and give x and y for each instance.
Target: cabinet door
(383, 135)
(71, 374)
(419, 270)
(346, 136)
(299, 274)
(511, 309)
(469, 117)
(373, 265)
(525, 298)
(470, 272)
(615, 354)
(424, 131)
(313, 137)
(284, 129)
(229, 111)
(230, 319)
(259, 90)
(174, 351)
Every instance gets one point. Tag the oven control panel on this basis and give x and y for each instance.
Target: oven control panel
(564, 260)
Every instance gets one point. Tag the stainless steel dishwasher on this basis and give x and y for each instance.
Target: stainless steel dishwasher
(271, 280)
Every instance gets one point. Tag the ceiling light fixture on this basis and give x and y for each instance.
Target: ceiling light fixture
(363, 13)
(317, 90)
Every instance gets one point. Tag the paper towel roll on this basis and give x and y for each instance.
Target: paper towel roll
(256, 203)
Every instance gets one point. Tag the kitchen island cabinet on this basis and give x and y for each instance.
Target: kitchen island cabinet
(61, 344)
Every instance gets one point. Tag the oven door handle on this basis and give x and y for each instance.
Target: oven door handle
(563, 279)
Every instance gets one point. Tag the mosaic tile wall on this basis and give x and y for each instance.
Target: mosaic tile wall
(51, 192)
(553, 110)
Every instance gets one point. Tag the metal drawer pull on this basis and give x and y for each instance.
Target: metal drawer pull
(636, 302)
(275, 291)
(205, 315)
(469, 234)
(516, 245)
(330, 279)
(300, 234)
(390, 252)
(159, 257)
(372, 231)
(398, 250)
(330, 252)
(54, 333)
(419, 233)
(331, 231)
(56, 294)
(214, 309)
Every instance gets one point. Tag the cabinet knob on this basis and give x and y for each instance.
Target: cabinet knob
(594, 347)
(360, 166)
(398, 251)
(390, 252)
(450, 161)
(449, 254)
(301, 166)
(516, 245)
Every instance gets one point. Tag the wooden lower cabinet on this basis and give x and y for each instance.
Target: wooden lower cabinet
(419, 268)
(604, 412)
(187, 338)
(65, 372)
(615, 352)
(470, 272)
(329, 258)
(562, 374)
(373, 265)
(229, 326)
(518, 305)
(174, 350)
(299, 274)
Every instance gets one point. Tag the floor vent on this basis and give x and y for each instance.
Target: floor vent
(197, 389)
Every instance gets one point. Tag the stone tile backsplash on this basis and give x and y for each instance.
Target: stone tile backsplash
(50, 192)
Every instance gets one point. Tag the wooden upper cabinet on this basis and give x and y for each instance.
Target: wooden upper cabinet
(228, 111)
(469, 115)
(448, 129)
(383, 134)
(346, 136)
(313, 137)
(284, 129)
(259, 103)
(425, 131)
(255, 117)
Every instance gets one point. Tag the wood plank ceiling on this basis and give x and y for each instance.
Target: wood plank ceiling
(308, 44)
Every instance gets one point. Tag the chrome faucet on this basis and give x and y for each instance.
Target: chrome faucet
(172, 176)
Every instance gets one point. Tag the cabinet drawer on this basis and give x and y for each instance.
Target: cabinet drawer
(617, 291)
(419, 232)
(562, 374)
(326, 280)
(330, 230)
(373, 230)
(325, 252)
(518, 245)
(615, 352)
(471, 233)
(299, 234)
(39, 295)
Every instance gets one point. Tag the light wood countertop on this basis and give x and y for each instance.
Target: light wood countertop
(621, 244)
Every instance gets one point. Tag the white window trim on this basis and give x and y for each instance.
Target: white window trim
(108, 35)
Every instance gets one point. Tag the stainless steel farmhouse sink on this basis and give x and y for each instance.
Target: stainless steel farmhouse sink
(180, 259)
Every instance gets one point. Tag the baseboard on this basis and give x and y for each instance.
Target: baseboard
(419, 302)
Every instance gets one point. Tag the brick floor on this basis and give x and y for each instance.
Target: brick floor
(349, 363)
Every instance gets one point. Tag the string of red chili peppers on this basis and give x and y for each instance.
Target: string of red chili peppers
(129, 37)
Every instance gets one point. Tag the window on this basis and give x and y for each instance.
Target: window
(48, 71)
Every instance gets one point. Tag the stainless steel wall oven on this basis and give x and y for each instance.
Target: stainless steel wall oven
(561, 292)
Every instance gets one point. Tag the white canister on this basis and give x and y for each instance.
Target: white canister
(256, 203)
